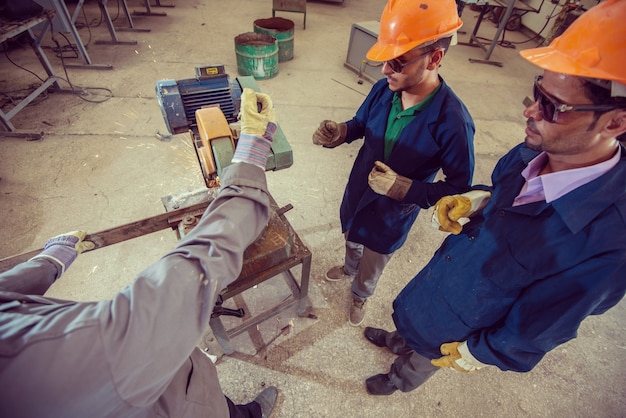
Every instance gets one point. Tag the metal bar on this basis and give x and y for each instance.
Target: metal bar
(305, 274)
(77, 10)
(149, 11)
(21, 105)
(31, 136)
(120, 233)
(43, 58)
(127, 13)
(26, 26)
(257, 319)
(501, 26)
(64, 15)
(114, 40)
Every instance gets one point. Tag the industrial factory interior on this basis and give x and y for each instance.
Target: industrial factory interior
(95, 138)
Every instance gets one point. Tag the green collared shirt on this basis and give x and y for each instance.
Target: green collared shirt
(399, 119)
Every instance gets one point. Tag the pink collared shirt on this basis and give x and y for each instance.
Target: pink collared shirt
(551, 186)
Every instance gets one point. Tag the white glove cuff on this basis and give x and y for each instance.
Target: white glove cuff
(478, 199)
(467, 360)
(50, 257)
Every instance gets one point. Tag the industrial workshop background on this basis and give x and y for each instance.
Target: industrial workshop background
(100, 131)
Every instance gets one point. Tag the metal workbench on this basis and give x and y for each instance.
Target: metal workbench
(510, 7)
(10, 29)
(278, 252)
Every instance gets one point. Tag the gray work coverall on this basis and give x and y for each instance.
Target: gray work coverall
(134, 355)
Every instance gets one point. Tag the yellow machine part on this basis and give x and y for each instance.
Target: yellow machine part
(216, 138)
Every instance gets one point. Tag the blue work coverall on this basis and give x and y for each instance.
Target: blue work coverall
(518, 281)
(134, 355)
(439, 137)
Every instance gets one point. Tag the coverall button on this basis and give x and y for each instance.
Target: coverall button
(448, 258)
(501, 213)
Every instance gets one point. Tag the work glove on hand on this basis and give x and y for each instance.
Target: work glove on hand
(257, 129)
(64, 248)
(330, 134)
(449, 209)
(457, 356)
(383, 180)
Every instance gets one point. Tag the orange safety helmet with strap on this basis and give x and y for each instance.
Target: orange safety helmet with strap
(406, 24)
(594, 46)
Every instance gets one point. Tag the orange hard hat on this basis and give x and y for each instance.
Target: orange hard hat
(406, 24)
(593, 46)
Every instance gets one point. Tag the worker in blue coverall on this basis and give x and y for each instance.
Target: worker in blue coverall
(135, 355)
(548, 248)
(413, 125)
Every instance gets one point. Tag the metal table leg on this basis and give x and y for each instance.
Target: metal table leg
(114, 40)
(68, 22)
(149, 11)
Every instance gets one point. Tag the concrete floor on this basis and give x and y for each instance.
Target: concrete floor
(100, 165)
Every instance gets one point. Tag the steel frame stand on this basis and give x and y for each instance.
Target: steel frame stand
(474, 41)
(149, 11)
(10, 30)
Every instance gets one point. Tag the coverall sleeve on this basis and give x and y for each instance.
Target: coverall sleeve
(150, 328)
(549, 313)
(33, 277)
(457, 165)
(357, 126)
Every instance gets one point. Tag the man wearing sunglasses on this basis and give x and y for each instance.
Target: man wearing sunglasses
(548, 249)
(413, 125)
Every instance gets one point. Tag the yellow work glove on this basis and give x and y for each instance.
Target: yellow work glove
(257, 129)
(457, 356)
(383, 180)
(449, 209)
(64, 248)
(253, 120)
(330, 134)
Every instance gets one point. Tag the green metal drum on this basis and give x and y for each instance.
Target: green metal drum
(282, 30)
(257, 55)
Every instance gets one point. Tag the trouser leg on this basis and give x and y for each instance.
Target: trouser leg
(396, 344)
(370, 269)
(410, 370)
(249, 410)
(354, 252)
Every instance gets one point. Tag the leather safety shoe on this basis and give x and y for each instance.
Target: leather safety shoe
(357, 312)
(267, 400)
(376, 336)
(337, 273)
(380, 385)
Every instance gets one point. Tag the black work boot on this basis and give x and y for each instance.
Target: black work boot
(380, 384)
(376, 336)
(267, 400)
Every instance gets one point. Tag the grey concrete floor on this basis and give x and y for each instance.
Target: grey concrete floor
(100, 165)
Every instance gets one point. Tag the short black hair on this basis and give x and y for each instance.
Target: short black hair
(443, 43)
(599, 92)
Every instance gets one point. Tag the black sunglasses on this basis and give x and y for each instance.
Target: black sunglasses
(550, 108)
(397, 66)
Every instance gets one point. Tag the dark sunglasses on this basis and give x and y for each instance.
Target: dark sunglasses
(550, 108)
(397, 66)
